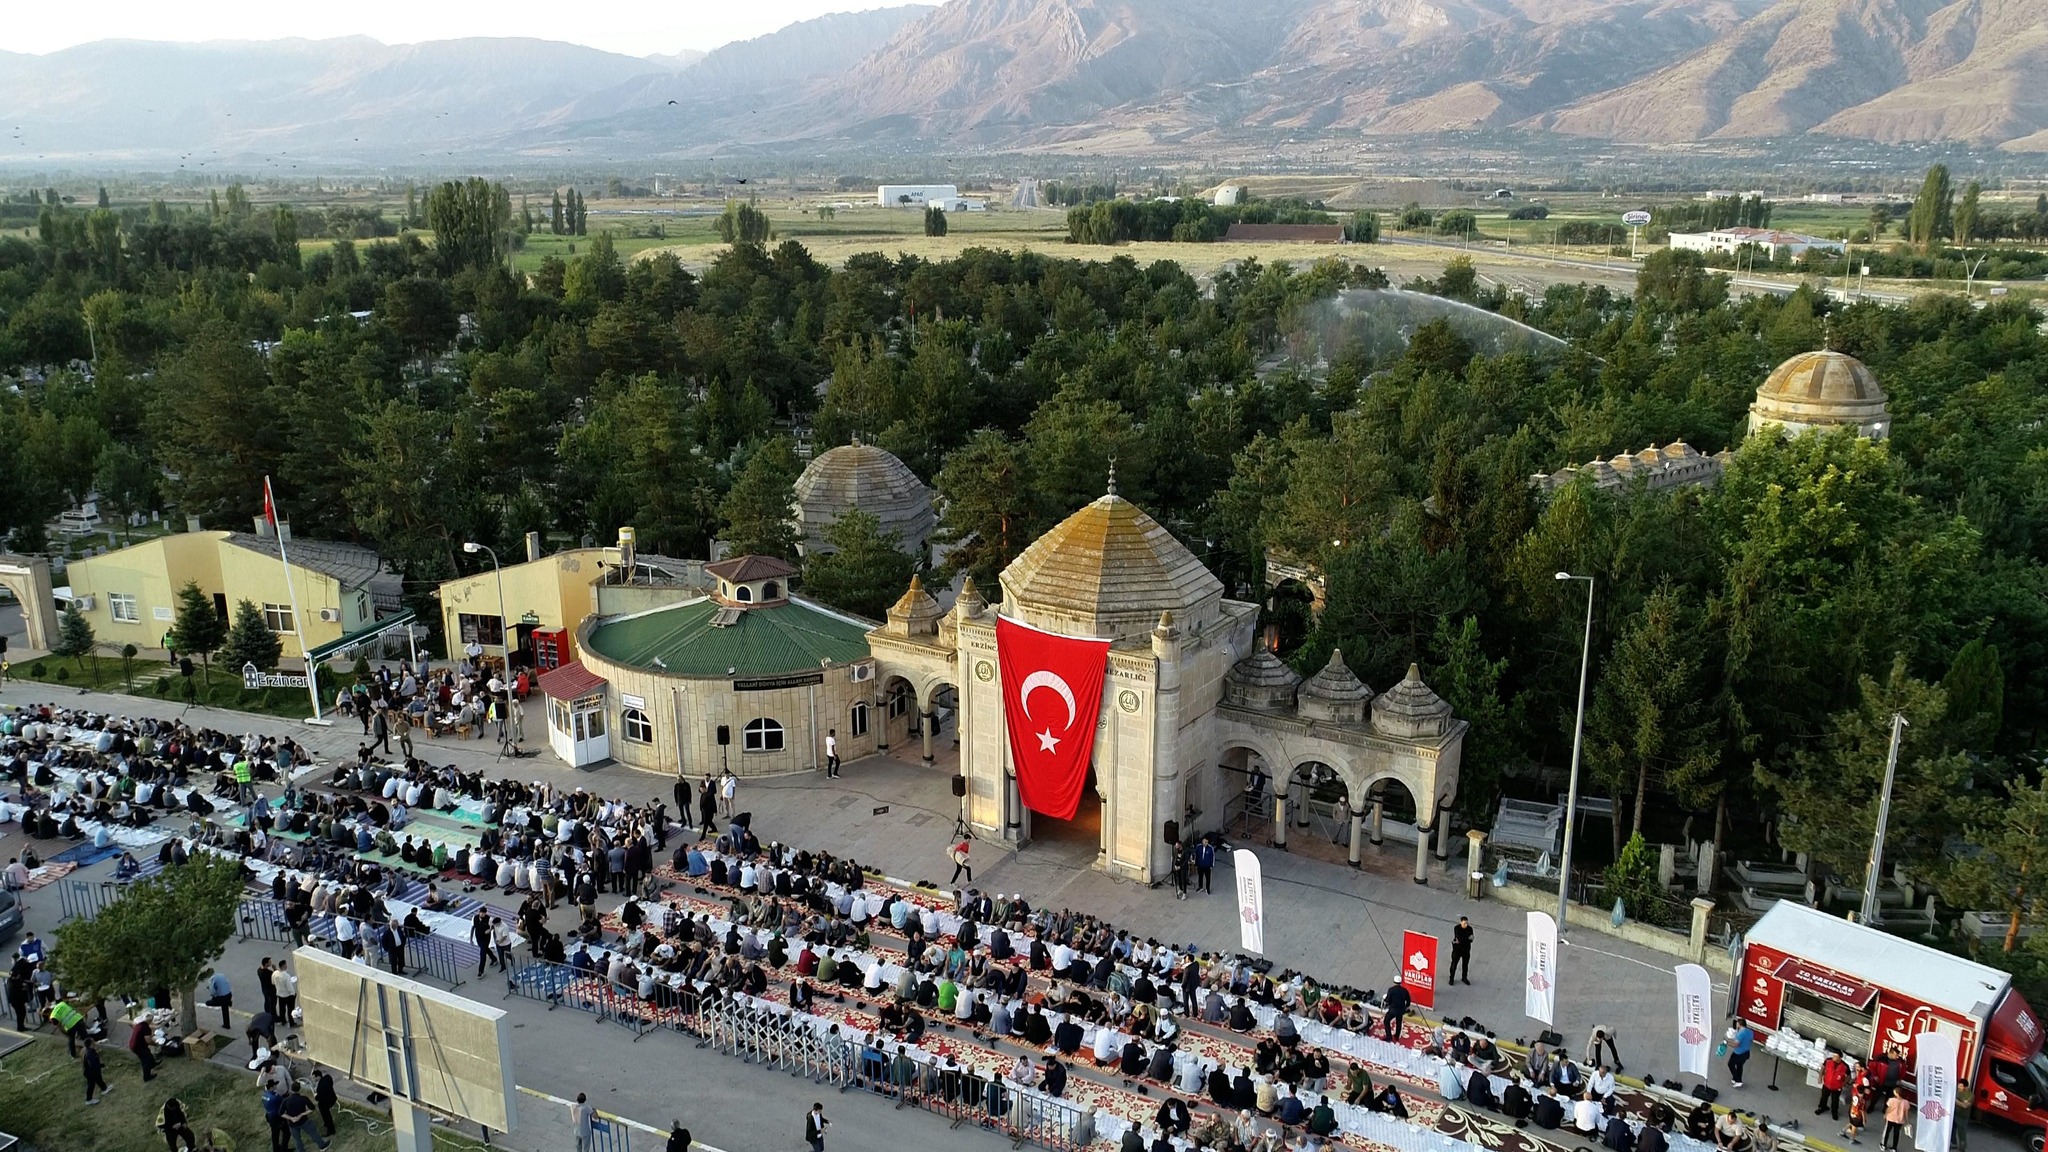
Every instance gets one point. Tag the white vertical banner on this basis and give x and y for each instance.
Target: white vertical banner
(1935, 1078)
(1539, 996)
(1251, 901)
(1695, 1016)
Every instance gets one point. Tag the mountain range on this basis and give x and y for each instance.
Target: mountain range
(1107, 76)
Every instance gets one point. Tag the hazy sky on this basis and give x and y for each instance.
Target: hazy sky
(636, 28)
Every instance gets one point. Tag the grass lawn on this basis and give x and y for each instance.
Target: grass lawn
(42, 1098)
(157, 679)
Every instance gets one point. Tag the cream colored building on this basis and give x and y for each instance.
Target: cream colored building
(1184, 722)
(545, 598)
(748, 678)
(130, 595)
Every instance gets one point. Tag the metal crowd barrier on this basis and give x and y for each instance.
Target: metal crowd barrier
(84, 899)
(779, 1040)
(262, 918)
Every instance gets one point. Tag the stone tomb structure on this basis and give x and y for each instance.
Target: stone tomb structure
(1193, 704)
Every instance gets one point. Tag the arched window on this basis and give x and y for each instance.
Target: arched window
(857, 721)
(762, 735)
(637, 727)
(770, 590)
(742, 593)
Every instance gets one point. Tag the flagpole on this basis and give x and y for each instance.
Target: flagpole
(292, 593)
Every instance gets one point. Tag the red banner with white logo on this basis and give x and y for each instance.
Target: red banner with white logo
(1418, 968)
(1052, 693)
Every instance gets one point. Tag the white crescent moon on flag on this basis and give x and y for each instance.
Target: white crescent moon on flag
(1045, 679)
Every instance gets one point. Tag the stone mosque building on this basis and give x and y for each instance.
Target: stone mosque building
(1194, 705)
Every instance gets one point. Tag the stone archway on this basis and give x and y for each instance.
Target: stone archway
(895, 716)
(938, 715)
(28, 577)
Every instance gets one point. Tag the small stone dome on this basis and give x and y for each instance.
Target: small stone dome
(1335, 693)
(1410, 710)
(1263, 681)
(1822, 390)
(863, 476)
(917, 613)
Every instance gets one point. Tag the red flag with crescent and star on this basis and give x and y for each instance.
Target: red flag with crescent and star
(1052, 694)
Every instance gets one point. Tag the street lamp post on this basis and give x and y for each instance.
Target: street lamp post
(504, 625)
(1884, 816)
(1571, 803)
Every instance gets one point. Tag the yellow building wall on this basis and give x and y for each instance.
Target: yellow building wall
(155, 570)
(152, 572)
(555, 589)
(247, 575)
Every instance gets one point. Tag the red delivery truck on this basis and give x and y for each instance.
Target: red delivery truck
(1865, 992)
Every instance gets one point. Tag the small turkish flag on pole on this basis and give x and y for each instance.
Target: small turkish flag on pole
(1052, 694)
(269, 504)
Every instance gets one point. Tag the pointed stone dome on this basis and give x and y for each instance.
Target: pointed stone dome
(1110, 570)
(916, 613)
(1335, 693)
(863, 476)
(1410, 710)
(1263, 681)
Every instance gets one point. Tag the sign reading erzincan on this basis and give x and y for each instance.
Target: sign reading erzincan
(254, 678)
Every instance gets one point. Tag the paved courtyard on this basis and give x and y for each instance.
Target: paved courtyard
(897, 815)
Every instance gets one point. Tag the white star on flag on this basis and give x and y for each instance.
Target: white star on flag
(1047, 742)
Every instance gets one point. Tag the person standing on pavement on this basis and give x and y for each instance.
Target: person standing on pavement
(581, 1115)
(401, 722)
(684, 796)
(264, 975)
(1739, 1045)
(1897, 1111)
(814, 1127)
(832, 753)
(287, 986)
(728, 794)
(1180, 869)
(1397, 1002)
(481, 934)
(95, 1072)
(380, 730)
(1834, 1076)
(707, 807)
(1205, 863)
(958, 852)
(1461, 949)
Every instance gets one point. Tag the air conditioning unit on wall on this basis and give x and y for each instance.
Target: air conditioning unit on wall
(330, 615)
(863, 673)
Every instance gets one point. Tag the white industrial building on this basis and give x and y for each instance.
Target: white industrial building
(1728, 241)
(914, 195)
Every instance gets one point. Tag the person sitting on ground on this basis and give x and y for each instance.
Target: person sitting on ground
(1549, 1110)
(1730, 1134)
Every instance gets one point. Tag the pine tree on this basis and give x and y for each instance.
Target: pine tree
(555, 214)
(74, 635)
(251, 641)
(863, 570)
(103, 196)
(198, 631)
(1928, 223)
(757, 512)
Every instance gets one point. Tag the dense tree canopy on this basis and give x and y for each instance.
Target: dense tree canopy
(1748, 636)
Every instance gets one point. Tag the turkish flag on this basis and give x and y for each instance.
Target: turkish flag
(269, 504)
(1052, 692)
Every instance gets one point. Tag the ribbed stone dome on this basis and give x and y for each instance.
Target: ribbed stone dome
(1410, 710)
(1110, 570)
(863, 476)
(1263, 681)
(1822, 390)
(1335, 693)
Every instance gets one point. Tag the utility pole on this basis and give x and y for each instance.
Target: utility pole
(1884, 815)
